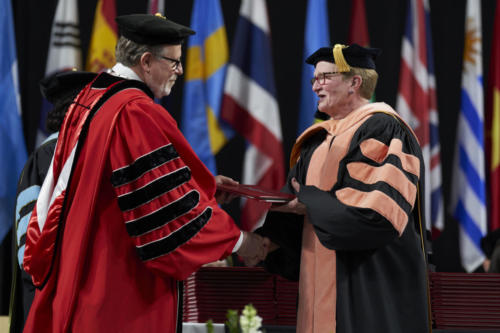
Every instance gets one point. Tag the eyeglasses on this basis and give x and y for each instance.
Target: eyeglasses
(176, 62)
(321, 77)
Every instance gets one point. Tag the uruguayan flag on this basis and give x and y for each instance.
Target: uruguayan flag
(468, 204)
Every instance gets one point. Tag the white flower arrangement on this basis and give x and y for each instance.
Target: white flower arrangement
(250, 322)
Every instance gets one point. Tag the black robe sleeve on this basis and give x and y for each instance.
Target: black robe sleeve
(285, 229)
(28, 188)
(363, 225)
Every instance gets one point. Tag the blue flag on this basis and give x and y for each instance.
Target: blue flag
(316, 35)
(12, 147)
(468, 195)
(207, 57)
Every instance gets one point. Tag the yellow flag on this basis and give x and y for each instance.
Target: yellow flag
(101, 55)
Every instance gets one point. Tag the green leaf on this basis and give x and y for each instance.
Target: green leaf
(232, 321)
(210, 326)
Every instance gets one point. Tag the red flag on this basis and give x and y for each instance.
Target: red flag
(104, 36)
(358, 31)
(156, 6)
(493, 125)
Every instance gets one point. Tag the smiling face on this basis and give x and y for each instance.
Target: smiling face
(334, 92)
(162, 73)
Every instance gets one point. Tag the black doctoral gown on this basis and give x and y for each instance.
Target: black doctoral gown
(381, 275)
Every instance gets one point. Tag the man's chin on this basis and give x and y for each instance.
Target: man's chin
(167, 91)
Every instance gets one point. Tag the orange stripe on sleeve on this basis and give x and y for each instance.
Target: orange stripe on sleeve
(387, 173)
(378, 151)
(377, 201)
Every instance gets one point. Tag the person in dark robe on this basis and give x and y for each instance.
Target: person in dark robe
(353, 237)
(490, 244)
(59, 89)
(127, 210)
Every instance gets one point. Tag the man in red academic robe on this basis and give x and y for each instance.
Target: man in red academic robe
(127, 209)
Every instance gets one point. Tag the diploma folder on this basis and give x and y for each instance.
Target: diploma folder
(256, 192)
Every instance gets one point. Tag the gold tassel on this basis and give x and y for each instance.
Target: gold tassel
(342, 65)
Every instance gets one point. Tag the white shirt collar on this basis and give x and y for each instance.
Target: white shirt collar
(123, 71)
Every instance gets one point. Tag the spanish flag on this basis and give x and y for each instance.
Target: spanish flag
(493, 124)
(101, 53)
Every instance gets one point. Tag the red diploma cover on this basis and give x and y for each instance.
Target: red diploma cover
(257, 193)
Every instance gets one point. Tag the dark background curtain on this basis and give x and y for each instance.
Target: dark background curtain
(386, 20)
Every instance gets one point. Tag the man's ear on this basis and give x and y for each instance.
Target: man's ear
(145, 61)
(356, 81)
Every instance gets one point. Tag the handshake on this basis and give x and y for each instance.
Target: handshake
(254, 248)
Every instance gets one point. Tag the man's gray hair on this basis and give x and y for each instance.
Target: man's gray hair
(129, 53)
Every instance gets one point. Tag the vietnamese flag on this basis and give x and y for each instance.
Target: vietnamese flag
(493, 124)
(358, 32)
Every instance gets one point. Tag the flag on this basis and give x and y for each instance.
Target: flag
(156, 6)
(468, 193)
(358, 30)
(416, 103)
(64, 51)
(316, 35)
(493, 123)
(250, 106)
(101, 55)
(12, 147)
(207, 56)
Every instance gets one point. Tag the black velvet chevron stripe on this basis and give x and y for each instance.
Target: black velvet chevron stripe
(143, 164)
(176, 239)
(154, 189)
(164, 215)
(22, 241)
(26, 209)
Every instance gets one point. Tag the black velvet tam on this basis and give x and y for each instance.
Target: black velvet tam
(355, 56)
(152, 29)
(62, 84)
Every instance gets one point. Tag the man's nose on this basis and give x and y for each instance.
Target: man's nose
(316, 86)
(180, 69)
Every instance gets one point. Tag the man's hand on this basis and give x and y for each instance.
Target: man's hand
(223, 197)
(294, 206)
(254, 248)
(218, 263)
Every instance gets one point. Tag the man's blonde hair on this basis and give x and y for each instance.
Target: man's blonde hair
(369, 79)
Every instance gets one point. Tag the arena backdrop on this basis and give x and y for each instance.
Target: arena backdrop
(386, 21)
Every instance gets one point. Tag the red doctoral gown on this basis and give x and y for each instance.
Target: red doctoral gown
(129, 212)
